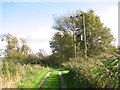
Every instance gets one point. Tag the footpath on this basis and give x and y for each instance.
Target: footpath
(53, 79)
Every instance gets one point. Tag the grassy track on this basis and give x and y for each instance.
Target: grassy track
(53, 80)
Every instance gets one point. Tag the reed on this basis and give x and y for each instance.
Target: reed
(17, 75)
(101, 73)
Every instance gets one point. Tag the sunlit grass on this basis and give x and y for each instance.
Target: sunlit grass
(33, 78)
(53, 81)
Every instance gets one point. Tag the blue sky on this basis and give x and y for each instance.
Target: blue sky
(34, 20)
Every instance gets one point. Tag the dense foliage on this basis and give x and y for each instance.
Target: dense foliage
(98, 37)
(100, 73)
(101, 67)
(61, 43)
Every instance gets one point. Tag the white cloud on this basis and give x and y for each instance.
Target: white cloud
(40, 38)
(35, 46)
(109, 16)
(42, 33)
(2, 44)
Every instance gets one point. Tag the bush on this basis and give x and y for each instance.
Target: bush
(100, 73)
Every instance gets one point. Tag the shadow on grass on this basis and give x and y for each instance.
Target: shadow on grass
(73, 81)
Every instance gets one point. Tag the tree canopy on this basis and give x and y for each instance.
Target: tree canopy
(98, 37)
(62, 44)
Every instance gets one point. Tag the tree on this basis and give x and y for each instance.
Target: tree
(12, 48)
(25, 49)
(13, 51)
(40, 53)
(98, 37)
(61, 44)
(0, 52)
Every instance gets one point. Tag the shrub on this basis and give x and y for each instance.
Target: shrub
(101, 73)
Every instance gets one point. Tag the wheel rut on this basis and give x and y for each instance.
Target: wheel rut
(48, 74)
(63, 84)
(61, 80)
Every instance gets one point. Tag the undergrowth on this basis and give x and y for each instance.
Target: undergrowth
(100, 73)
(16, 75)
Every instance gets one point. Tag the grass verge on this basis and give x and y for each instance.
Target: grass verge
(75, 82)
(16, 75)
(33, 78)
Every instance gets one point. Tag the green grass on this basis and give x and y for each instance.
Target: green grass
(16, 75)
(75, 82)
(33, 78)
(53, 80)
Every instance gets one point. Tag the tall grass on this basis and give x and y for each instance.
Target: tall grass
(106, 75)
(101, 73)
(16, 75)
(0, 73)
